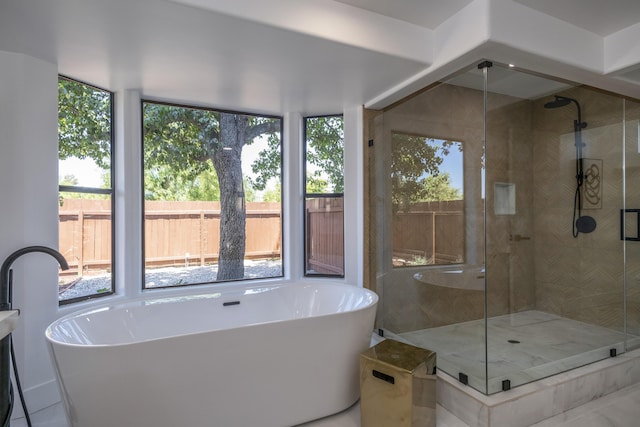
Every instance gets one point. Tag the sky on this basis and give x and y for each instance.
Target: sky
(85, 170)
(454, 164)
(90, 175)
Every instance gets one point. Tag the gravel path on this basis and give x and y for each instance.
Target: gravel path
(172, 276)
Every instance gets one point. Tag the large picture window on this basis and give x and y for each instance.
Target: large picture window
(324, 196)
(427, 200)
(85, 132)
(212, 195)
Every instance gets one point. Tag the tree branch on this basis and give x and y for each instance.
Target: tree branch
(255, 131)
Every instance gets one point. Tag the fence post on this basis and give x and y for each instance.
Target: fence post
(81, 249)
(203, 242)
(433, 236)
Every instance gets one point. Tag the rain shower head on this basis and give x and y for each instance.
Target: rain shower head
(560, 101)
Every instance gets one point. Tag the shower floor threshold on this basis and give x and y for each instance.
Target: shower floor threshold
(536, 401)
(522, 347)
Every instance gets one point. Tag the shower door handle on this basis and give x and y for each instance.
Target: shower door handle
(623, 222)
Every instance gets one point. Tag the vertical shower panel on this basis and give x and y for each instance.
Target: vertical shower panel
(629, 219)
(555, 264)
(422, 245)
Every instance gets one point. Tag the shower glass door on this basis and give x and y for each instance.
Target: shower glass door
(630, 221)
(554, 257)
(427, 210)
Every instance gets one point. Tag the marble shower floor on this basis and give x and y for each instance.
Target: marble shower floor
(523, 347)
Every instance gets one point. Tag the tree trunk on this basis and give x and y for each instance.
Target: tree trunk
(228, 165)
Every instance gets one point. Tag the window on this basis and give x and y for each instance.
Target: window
(427, 200)
(85, 132)
(212, 198)
(324, 196)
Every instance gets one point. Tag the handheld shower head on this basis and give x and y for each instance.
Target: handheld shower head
(581, 224)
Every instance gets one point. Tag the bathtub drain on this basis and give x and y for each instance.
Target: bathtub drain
(228, 303)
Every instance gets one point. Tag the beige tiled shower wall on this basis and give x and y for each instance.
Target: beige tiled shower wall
(509, 238)
(580, 278)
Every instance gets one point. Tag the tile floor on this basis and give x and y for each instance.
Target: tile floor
(54, 417)
(619, 409)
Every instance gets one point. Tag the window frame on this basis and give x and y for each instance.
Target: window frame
(307, 196)
(463, 202)
(143, 286)
(95, 190)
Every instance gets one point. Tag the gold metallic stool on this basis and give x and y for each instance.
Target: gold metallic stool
(397, 386)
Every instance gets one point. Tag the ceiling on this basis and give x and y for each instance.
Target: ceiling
(603, 17)
(321, 56)
(598, 16)
(426, 13)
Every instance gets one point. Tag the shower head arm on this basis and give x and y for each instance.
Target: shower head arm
(577, 124)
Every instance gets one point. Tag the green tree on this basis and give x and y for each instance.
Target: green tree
(325, 154)
(415, 169)
(438, 188)
(84, 123)
(68, 180)
(185, 140)
(273, 194)
(165, 182)
(317, 185)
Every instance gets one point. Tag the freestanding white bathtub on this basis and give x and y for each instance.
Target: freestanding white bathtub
(248, 356)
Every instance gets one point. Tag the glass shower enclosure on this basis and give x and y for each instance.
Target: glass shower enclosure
(504, 212)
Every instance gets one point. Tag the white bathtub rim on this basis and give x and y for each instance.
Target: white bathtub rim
(462, 277)
(121, 303)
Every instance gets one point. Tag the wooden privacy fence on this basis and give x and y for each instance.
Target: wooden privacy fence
(324, 223)
(176, 233)
(429, 233)
(188, 234)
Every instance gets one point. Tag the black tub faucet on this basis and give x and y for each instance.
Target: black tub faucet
(6, 389)
(5, 275)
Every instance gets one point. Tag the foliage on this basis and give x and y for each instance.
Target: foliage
(179, 146)
(68, 180)
(84, 122)
(273, 194)
(325, 154)
(415, 170)
(438, 188)
(267, 164)
(163, 182)
(317, 185)
(176, 145)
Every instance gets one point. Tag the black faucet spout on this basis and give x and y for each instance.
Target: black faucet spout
(5, 291)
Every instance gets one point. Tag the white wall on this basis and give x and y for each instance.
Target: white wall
(28, 193)
(353, 195)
